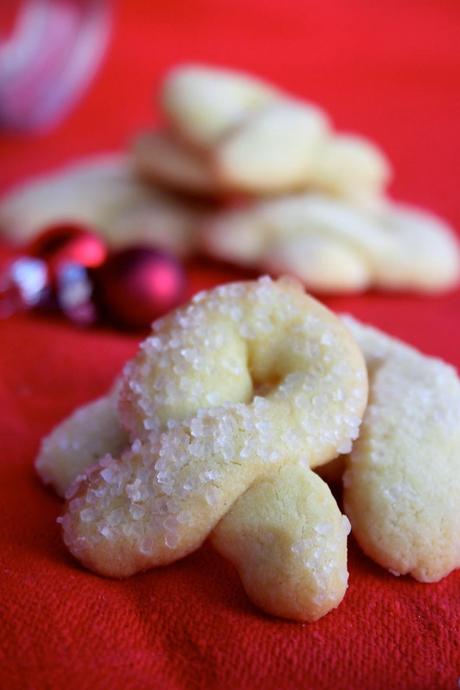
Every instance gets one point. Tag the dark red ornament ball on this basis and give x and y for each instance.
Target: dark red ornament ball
(71, 253)
(138, 284)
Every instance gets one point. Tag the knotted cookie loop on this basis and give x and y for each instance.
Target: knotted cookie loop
(234, 395)
(290, 391)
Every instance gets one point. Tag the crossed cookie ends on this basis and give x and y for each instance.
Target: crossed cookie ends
(227, 406)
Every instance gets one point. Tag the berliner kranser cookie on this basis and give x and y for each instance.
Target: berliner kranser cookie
(333, 246)
(105, 193)
(231, 459)
(402, 484)
(291, 515)
(231, 133)
(227, 405)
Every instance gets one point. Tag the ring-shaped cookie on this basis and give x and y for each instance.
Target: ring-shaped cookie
(246, 378)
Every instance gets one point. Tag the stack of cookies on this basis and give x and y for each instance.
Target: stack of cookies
(311, 201)
(249, 174)
(230, 133)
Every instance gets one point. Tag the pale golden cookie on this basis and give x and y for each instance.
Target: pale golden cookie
(335, 246)
(243, 136)
(246, 378)
(426, 255)
(402, 485)
(288, 525)
(104, 193)
(275, 150)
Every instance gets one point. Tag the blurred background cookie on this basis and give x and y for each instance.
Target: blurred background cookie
(231, 133)
(105, 193)
(336, 247)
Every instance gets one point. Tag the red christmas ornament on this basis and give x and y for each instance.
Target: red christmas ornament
(68, 243)
(138, 284)
(71, 253)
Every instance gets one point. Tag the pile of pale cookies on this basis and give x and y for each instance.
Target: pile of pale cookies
(246, 173)
(240, 403)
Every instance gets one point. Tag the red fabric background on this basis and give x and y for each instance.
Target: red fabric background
(390, 70)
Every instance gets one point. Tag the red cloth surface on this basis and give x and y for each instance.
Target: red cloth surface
(390, 70)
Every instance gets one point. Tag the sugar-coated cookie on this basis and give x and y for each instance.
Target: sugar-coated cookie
(288, 540)
(244, 380)
(105, 193)
(213, 431)
(402, 484)
(335, 246)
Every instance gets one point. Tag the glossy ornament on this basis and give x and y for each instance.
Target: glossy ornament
(138, 284)
(68, 243)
